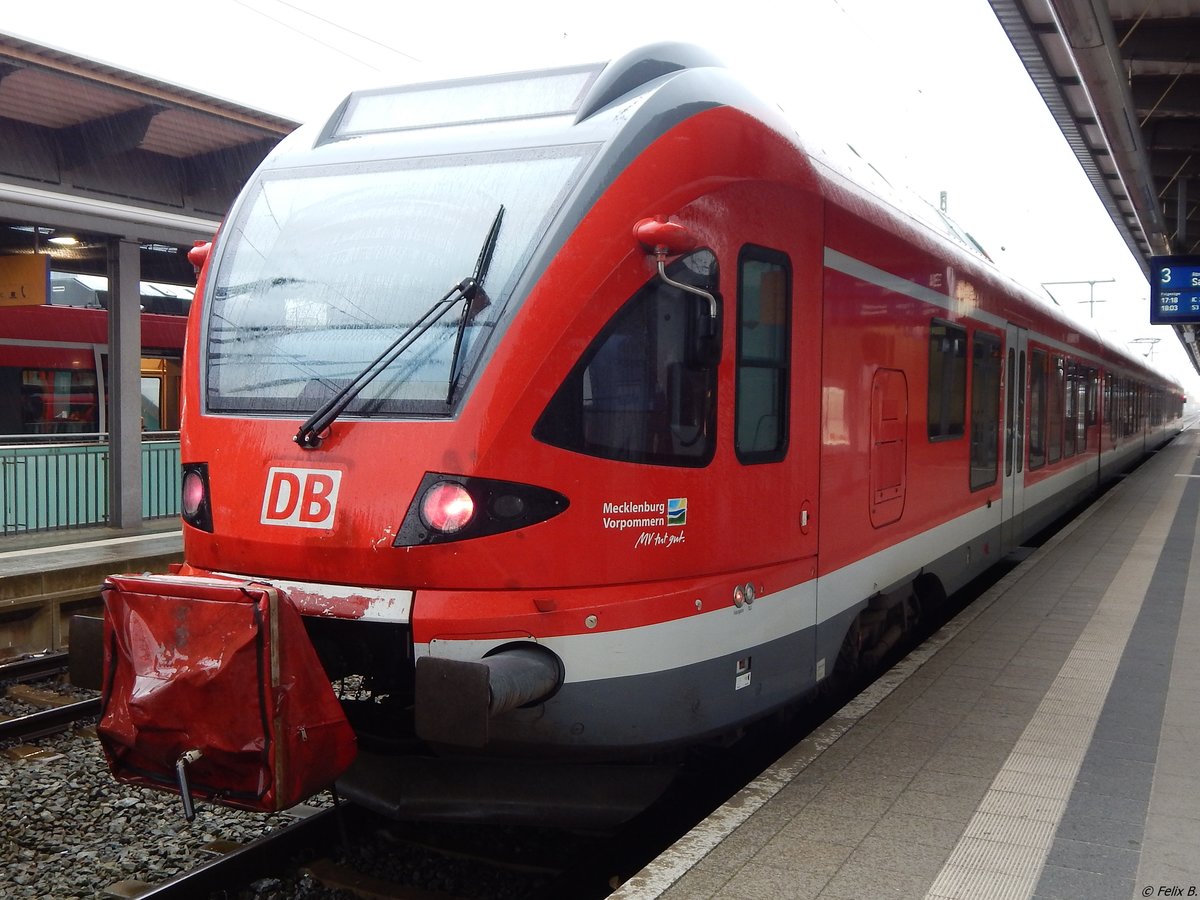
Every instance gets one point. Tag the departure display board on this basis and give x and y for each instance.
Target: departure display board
(1174, 290)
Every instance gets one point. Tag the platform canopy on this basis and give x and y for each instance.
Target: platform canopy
(89, 152)
(1122, 79)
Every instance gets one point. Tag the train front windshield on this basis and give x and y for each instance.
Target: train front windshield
(324, 268)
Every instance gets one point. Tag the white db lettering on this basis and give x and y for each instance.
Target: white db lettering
(302, 498)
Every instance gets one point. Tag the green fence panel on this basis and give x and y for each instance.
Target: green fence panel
(57, 486)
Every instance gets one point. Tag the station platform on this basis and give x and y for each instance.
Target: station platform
(1043, 744)
(47, 577)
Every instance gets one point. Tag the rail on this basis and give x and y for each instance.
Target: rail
(54, 485)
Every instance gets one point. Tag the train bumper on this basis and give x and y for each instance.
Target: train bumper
(211, 687)
(456, 699)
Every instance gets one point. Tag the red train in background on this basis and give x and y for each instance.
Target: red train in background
(54, 368)
(539, 424)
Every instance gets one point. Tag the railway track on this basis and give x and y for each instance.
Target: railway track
(345, 851)
(34, 666)
(263, 858)
(40, 711)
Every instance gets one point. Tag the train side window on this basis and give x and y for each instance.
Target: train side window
(986, 364)
(644, 391)
(947, 380)
(1037, 409)
(58, 401)
(763, 355)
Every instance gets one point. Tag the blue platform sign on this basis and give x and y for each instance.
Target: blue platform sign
(1174, 290)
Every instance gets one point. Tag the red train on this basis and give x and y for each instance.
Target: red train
(569, 418)
(54, 368)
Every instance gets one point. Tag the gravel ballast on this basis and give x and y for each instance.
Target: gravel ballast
(70, 830)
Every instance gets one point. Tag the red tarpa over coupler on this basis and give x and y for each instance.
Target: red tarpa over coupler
(224, 667)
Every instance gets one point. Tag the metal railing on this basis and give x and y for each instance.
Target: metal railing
(53, 482)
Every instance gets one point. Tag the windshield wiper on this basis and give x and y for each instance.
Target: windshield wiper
(480, 302)
(312, 432)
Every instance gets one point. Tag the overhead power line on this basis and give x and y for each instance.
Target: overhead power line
(315, 39)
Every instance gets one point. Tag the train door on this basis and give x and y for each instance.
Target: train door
(776, 443)
(1015, 369)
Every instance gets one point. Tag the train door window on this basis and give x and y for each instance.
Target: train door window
(947, 380)
(1010, 430)
(1021, 412)
(985, 409)
(1119, 399)
(1093, 393)
(152, 389)
(763, 355)
(1054, 410)
(154, 372)
(645, 389)
(1071, 411)
(1037, 409)
(1109, 409)
(1085, 412)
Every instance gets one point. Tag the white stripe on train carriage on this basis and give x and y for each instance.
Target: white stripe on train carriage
(646, 649)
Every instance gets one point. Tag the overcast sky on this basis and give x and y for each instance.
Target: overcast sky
(929, 91)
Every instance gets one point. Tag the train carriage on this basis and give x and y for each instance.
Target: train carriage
(578, 416)
(54, 371)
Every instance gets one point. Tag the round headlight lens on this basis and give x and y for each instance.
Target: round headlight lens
(447, 507)
(193, 494)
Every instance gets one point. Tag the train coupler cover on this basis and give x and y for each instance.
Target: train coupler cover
(222, 670)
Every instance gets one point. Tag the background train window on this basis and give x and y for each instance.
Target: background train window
(645, 390)
(1054, 410)
(1037, 409)
(947, 380)
(57, 401)
(986, 364)
(152, 393)
(763, 355)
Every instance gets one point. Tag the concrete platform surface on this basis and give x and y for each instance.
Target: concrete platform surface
(1044, 744)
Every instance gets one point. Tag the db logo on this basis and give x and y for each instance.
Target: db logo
(305, 498)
